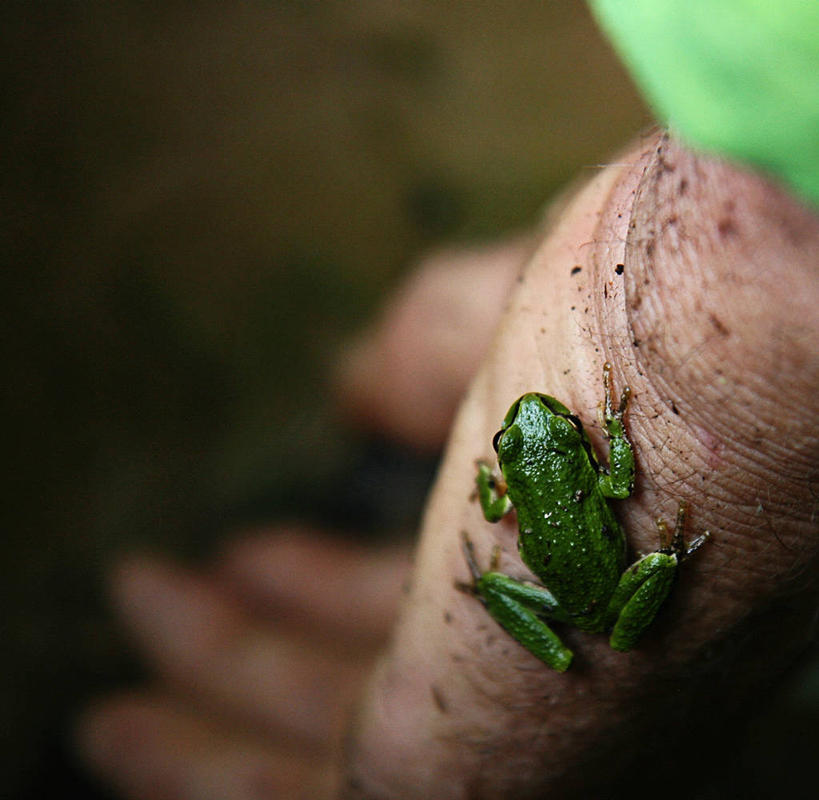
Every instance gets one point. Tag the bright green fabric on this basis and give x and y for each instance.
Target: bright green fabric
(735, 77)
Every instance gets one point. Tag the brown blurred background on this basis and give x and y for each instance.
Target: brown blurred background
(200, 202)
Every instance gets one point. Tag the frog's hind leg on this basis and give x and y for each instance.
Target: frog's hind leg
(518, 607)
(644, 586)
(642, 589)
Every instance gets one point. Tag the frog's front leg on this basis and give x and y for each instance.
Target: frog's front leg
(518, 606)
(491, 493)
(618, 482)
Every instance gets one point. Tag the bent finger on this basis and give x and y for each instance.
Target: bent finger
(202, 641)
(304, 578)
(406, 375)
(146, 745)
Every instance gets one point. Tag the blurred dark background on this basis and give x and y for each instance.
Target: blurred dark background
(200, 202)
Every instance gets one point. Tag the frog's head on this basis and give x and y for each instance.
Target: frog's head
(540, 420)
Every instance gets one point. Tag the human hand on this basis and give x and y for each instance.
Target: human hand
(697, 281)
(712, 324)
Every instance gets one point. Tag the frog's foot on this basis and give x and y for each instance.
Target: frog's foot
(676, 543)
(618, 481)
(472, 562)
(517, 606)
(609, 412)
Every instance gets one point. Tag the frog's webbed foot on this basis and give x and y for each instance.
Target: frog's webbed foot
(517, 606)
(472, 562)
(676, 542)
(609, 412)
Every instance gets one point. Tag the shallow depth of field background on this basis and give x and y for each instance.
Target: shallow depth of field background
(200, 202)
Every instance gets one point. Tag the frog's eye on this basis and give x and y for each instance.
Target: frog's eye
(496, 439)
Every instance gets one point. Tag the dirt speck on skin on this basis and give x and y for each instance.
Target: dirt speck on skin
(439, 699)
(718, 325)
(727, 227)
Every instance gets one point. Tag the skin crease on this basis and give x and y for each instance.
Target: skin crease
(712, 322)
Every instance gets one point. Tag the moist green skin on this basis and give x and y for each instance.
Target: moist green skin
(568, 534)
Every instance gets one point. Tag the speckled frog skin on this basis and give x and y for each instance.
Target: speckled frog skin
(568, 535)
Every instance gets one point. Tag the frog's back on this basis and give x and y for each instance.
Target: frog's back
(569, 536)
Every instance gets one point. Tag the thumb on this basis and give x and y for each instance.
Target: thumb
(698, 282)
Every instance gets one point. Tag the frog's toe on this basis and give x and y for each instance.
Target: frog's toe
(471, 561)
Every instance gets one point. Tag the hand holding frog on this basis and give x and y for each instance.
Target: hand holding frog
(698, 283)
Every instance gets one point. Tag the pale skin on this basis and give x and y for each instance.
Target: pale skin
(712, 322)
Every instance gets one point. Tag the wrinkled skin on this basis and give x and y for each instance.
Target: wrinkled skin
(712, 320)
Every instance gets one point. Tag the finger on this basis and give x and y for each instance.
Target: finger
(202, 641)
(407, 374)
(316, 581)
(148, 747)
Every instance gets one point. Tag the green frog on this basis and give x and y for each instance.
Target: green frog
(568, 534)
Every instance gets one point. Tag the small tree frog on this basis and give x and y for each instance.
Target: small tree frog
(568, 535)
